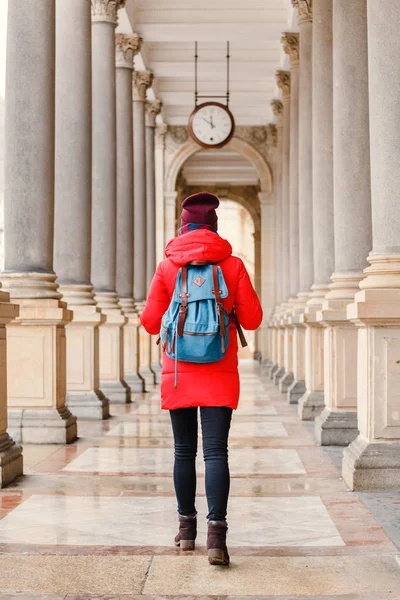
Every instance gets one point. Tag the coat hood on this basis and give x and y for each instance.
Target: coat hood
(201, 244)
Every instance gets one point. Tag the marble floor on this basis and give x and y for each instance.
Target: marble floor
(95, 520)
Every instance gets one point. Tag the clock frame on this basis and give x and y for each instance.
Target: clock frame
(204, 144)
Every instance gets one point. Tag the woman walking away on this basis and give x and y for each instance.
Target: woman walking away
(199, 295)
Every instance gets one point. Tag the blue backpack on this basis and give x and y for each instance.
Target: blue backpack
(195, 327)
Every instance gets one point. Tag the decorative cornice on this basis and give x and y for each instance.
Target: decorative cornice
(290, 43)
(126, 47)
(283, 82)
(153, 109)
(141, 81)
(305, 11)
(106, 11)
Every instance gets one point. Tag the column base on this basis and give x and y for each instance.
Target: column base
(89, 405)
(112, 382)
(278, 375)
(285, 382)
(135, 383)
(311, 405)
(336, 428)
(42, 426)
(273, 370)
(371, 465)
(156, 368)
(118, 392)
(131, 357)
(296, 391)
(147, 375)
(11, 460)
(266, 366)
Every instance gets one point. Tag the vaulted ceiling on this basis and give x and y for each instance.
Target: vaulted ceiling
(170, 28)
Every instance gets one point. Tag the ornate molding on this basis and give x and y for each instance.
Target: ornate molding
(290, 43)
(153, 109)
(126, 47)
(141, 81)
(305, 11)
(106, 11)
(283, 82)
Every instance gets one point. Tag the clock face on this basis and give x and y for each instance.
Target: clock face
(211, 125)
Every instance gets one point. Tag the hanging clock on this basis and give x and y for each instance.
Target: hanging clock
(211, 125)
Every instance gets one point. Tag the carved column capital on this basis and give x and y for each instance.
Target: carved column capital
(305, 10)
(141, 81)
(283, 82)
(126, 47)
(291, 46)
(106, 11)
(153, 108)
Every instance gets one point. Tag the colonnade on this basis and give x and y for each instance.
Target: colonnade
(334, 336)
(79, 221)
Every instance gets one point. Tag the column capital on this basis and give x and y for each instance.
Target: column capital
(277, 109)
(106, 11)
(126, 47)
(153, 108)
(141, 81)
(290, 43)
(283, 82)
(305, 10)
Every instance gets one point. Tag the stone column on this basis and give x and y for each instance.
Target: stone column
(141, 81)
(306, 255)
(283, 81)
(152, 110)
(312, 403)
(36, 355)
(126, 46)
(337, 424)
(277, 109)
(104, 21)
(161, 131)
(73, 204)
(373, 459)
(285, 350)
(294, 381)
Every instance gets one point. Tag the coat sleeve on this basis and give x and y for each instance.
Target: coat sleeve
(156, 304)
(247, 304)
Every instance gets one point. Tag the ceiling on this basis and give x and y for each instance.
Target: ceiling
(213, 167)
(169, 29)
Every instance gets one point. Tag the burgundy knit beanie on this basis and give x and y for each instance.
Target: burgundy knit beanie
(200, 208)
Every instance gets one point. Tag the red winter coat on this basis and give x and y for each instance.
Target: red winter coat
(212, 384)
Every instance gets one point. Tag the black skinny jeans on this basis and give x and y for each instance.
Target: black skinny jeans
(215, 424)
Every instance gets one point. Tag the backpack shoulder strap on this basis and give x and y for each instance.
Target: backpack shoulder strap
(183, 308)
(217, 293)
(242, 338)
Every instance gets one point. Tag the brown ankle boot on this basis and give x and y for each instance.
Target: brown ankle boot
(216, 543)
(187, 532)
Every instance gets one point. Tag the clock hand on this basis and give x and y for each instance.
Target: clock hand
(212, 122)
(209, 122)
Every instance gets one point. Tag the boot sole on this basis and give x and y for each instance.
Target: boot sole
(186, 545)
(217, 557)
